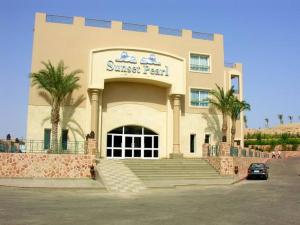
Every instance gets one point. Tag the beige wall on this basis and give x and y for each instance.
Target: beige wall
(73, 119)
(199, 124)
(129, 98)
(74, 44)
(116, 93)
(237, 70)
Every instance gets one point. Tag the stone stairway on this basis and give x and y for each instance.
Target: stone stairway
(176, 172)
(117, 177)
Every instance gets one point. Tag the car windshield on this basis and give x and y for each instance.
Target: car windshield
(257, 165)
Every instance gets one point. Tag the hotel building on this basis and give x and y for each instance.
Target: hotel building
(143, 87)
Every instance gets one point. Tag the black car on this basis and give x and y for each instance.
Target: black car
(258, 170)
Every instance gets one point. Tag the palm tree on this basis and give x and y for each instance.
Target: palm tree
(267, 122)
(221, 101)
(280, 117)
(56, 85)
(291, 119)
(236, 108)
(245, 121)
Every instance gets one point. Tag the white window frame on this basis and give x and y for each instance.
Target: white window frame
(209, 62)
(190, 97)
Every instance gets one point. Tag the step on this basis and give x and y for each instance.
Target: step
(169, 172)
(169, 169)
(162, 160)
(141, 170)
(179, 178)
(166, 163)
(177, 183)
(179, 170)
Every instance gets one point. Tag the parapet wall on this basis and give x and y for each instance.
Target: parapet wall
(118, 25)
(45, 165)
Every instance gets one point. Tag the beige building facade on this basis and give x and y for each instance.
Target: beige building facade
(143, 88)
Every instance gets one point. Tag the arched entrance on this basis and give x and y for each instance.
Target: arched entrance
(132, 142)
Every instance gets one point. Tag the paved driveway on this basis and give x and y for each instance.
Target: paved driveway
(276, 201)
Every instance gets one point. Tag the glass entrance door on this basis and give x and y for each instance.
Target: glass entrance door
(133, 146)
(132, 142)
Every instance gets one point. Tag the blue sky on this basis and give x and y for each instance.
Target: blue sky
(264, 35)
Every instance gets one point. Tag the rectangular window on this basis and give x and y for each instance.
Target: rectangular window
(64, 139)
(47, 138)
(207, 139)
(192, 143)
(199, 97)
(200, 63)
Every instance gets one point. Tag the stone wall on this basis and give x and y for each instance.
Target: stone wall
(45, 165)
(225, 164)
(287, 154)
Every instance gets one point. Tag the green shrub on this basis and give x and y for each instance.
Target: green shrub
(295, 147)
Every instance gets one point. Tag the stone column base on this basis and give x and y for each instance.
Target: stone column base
(98, 155)
(176, 156)
(91, 147)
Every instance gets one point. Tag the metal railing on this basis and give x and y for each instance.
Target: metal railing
(244, 152)
(250, 153)
(97, 23)
(34, 146)
(170, 31)
(203, 36)
(213, 150)
(59, 19)
(134, 27)
(234, 152)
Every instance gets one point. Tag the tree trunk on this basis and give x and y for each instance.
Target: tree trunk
(54, 122)
(224, 128)
(233, 131)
